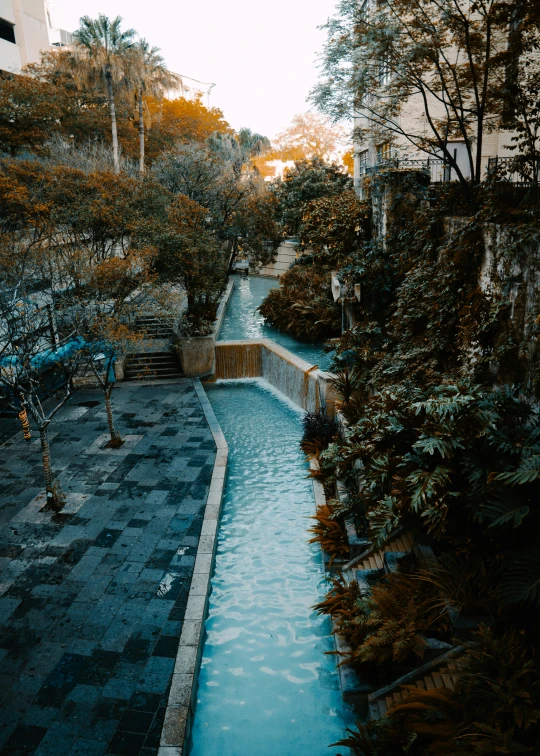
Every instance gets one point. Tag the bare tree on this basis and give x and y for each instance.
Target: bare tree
(427, 73)
(36, 368)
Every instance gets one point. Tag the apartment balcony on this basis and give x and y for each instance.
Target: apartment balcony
(436, 168)
(516, 170)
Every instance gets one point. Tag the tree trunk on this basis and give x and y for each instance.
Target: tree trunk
(110, 93)
(115, 441)
(141, 133)
(45, 452)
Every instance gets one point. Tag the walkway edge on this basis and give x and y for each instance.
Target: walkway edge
(180, 706)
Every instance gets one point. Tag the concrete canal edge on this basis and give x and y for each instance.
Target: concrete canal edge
(181, 703)
(222, 307)
(353, 690)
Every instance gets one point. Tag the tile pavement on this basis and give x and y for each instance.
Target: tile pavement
(92, 600)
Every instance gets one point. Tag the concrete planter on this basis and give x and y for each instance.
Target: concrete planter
(120, 368)
(197, 355)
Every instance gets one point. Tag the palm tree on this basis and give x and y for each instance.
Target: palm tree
(102, 54)
(152, 79)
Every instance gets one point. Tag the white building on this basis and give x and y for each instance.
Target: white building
(190, 89)
(23, 33)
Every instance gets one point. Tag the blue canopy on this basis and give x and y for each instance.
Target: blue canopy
(50, 358)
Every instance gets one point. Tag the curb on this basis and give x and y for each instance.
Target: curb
(180, 706)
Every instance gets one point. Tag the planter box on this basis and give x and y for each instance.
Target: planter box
(197, 356)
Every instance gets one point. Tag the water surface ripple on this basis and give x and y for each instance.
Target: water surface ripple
(242, 321)
(266, 687)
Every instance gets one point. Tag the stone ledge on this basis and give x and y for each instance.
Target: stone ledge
(179, 714)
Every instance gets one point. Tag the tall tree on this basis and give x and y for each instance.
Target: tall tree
(180, 120)
(309, 135)
(308, 180)
(152, 79)
(102, 53)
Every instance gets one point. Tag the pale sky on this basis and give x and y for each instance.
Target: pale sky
(262, 56)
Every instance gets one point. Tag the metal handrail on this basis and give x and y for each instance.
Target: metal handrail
(425, 163)
(514, 172)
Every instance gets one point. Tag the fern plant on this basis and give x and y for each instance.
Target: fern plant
(395, 617)
(388, 626)
(329, 533)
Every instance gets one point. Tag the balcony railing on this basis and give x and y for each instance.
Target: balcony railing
(435, 167)
(514, 170)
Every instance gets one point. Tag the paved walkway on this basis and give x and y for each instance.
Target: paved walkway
(92, 600)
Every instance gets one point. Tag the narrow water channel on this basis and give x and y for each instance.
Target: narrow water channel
(266, 687)
(242, 321)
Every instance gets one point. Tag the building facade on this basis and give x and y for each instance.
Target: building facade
(191, 89)
(377, 146)
(23, 33)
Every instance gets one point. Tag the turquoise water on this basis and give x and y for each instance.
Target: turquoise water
(266, 687)
(243, 322)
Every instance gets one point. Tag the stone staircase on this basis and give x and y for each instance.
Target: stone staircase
(155, 327)
(150, 366)
(441, 673)
(402, 543)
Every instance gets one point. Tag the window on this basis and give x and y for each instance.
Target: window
(384, 152)
(362, 164)
(364, 11)
(383, 73)
(7, 31)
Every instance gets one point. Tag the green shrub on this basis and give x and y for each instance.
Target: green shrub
(303, 305)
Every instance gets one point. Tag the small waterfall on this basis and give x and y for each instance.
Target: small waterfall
(289, 374)
(238, 359)
(302, 383)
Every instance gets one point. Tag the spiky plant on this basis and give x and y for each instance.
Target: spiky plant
(468, 586)
(387, 737)
(348, 385)
(319, 431)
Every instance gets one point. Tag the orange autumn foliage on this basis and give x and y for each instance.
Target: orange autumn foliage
(348, 162)
(181, 120)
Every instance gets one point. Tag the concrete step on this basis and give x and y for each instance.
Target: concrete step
(155, 327)
(151, 376)
(152, 365)
(159, 359)
(375, 561)
(440, 672)
(172, 368)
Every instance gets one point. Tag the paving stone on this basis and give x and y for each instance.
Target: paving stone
(92, 600)
(24, 739)
(85, 747)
